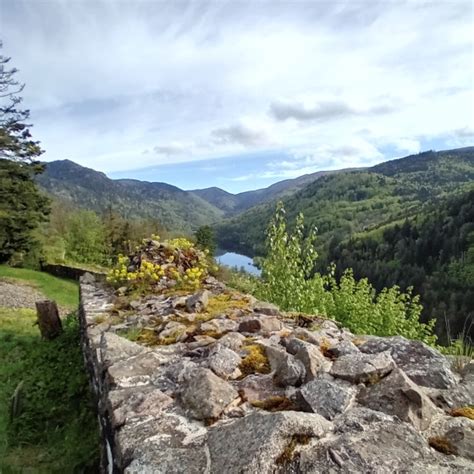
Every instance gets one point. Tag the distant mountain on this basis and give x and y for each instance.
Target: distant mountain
(233, 204)
(352, 202)
(177, 210)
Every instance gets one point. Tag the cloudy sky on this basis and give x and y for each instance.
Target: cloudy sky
(241, 94)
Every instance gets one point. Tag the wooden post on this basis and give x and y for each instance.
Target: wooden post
(48, 319)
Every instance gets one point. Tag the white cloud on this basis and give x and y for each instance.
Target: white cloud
(187, 81)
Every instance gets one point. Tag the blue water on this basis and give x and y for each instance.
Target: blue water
(236, 260)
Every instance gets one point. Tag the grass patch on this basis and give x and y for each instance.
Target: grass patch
(64, 292)
(53, 428)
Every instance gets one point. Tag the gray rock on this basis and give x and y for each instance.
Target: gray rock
(263, 324)
(313, 360)
(205, 395)
(173, 329)
(397, 395)
(135, 403)
(169, 443)
(424, 365)
(220, 325)
(232, 340)
(344, 347)
(197, 302)
(458, 431)
(266, 308)
(224, 362)
(367, 442)
(134, 371)
(259, 387)
(327, 396)
(254, 443)
(358, 367)
(287, 369)
(114, 348)
(290, 372)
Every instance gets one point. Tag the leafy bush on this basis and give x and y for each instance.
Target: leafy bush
(289, 280)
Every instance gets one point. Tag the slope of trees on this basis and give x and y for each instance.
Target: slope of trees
(433, 253)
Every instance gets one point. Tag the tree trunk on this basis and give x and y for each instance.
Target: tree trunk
(48, 319)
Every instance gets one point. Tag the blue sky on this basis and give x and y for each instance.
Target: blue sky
(241, 94)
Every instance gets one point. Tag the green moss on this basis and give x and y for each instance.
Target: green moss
(467, 412)
(256, 361)
(442, 444)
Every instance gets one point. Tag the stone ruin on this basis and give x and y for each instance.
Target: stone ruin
(215, 381)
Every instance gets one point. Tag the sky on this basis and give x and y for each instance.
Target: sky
(241, 94)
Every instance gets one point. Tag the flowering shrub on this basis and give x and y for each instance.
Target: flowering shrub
(158, 265)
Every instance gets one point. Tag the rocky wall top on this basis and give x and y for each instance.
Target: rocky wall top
(215, 381)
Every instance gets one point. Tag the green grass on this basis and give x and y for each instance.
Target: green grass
(55, 428)
(64, 292)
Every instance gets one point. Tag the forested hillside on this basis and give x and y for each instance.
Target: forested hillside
(174, 208)
(349, 203)
(433, 253)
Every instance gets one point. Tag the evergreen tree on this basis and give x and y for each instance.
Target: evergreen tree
(22, 207)
(205, 239)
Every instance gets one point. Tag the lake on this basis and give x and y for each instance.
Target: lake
(236, 260)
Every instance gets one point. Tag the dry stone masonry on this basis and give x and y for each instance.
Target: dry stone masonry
(214, 381)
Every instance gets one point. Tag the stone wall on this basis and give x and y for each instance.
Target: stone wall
(218, 382)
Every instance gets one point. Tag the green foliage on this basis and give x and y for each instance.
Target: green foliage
(288, 280)
(85, 238)
(53, 427)
(16, 142)
(205, 239)
(22, 208)
(64, 292)
(433, 252)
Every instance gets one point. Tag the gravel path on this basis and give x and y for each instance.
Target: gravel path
(17, 295)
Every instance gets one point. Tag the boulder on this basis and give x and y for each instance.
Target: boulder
(136, 403)
(358, 367)
(259, 387)
(134, 371)
(255, 443)
(372, 442)
(197, 302)
(397, 395)
(114, 348)
(169, 443)
(342, 348)
(219, 325)
(313, 360)
(326, 396)
(224, 362)
(269, 309)
(204, 395)
(458, 432)
(423, 364)
(262, 324)
(232, 340)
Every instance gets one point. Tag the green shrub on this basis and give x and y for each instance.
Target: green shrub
(289, 280)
